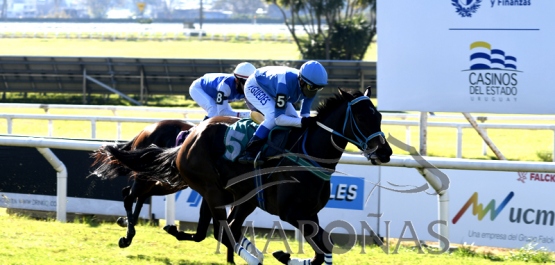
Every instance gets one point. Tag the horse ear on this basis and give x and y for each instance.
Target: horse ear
(341, 92)
(345, 95)
(368, 91)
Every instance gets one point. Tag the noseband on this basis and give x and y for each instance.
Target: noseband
(361, 140)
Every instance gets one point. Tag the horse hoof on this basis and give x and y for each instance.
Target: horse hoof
(122, 221)
(123, 243)
(282, 256)
(171, 229)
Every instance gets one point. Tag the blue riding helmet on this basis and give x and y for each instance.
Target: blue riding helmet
(314, 73)
(315, 77)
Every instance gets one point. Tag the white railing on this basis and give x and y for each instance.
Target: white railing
(92, 119)
(186, 112)
(460, 125)
(113, 109)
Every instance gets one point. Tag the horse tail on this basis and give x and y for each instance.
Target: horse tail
(106, 169)
(151, 164)
(127, 146)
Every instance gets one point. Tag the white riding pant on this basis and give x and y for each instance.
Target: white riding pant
(204, 100)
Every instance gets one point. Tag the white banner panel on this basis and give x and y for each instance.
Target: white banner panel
(466, 56)
(486, 208)
(74, 205)
(352, 198)
(404, 210)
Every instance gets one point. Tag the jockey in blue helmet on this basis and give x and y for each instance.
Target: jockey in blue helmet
(273, 90)
(214, 91)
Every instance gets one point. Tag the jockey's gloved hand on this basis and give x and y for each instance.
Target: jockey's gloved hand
(307, 122)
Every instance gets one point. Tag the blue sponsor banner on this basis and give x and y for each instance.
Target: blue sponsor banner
(346, 193)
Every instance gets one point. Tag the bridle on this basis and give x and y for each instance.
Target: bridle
(361, 140)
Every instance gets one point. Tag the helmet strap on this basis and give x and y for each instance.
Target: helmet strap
(238, 86)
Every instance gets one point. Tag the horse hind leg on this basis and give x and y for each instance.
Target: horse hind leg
(125, 193)
(137, 188)
(205, 216)
(202, 226)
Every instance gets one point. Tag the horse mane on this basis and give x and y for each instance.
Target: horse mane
(332, 103)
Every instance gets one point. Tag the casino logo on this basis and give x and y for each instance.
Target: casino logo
(493, 74)
(465, 8)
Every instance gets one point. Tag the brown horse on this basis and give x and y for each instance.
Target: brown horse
(295, 186)
(162, 134)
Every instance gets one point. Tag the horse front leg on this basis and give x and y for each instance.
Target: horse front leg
(314, 234)
(216, 199)
(244, 248)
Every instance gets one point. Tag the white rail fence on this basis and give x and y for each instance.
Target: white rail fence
(407, 120)
(44, 145)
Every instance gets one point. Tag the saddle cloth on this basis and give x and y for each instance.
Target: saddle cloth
(238, 135)
(181, 136)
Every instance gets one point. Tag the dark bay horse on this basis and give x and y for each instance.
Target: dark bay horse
(162, 134)
(294, 187)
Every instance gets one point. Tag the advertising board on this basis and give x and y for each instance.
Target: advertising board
(486, 208)
(466, 56)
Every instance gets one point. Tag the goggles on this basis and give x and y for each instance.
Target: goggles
(242, 81)
(310, 87)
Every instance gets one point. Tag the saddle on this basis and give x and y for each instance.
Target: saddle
(238, 135)
(276, 142)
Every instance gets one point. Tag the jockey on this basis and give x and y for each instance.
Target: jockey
(214, 91)
(273, 90)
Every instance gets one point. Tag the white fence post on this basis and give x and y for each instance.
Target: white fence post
(61, 186)
(553, 151)
(407, 137)
(93, 128)
(459, 141)
(10, 124)
(170, 209)
(50, 128)
(423, 133)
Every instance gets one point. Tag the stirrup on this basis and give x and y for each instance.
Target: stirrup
(258, 161)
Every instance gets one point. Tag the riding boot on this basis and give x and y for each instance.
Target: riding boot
(252, 150)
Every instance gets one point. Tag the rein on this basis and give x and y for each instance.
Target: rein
(361, 141)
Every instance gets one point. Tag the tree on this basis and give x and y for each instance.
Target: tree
(98, 8)
(335, 29)
(4, 9)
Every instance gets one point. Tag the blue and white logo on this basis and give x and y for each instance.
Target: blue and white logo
(466, 8)
(346, 193)
(493, 75)
(194, 198)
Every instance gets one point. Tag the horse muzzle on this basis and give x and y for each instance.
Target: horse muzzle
(374, 154)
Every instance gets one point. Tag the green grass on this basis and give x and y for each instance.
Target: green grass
(28, 241)
(235, 49)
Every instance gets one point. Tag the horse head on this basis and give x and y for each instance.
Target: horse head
(363, 127)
